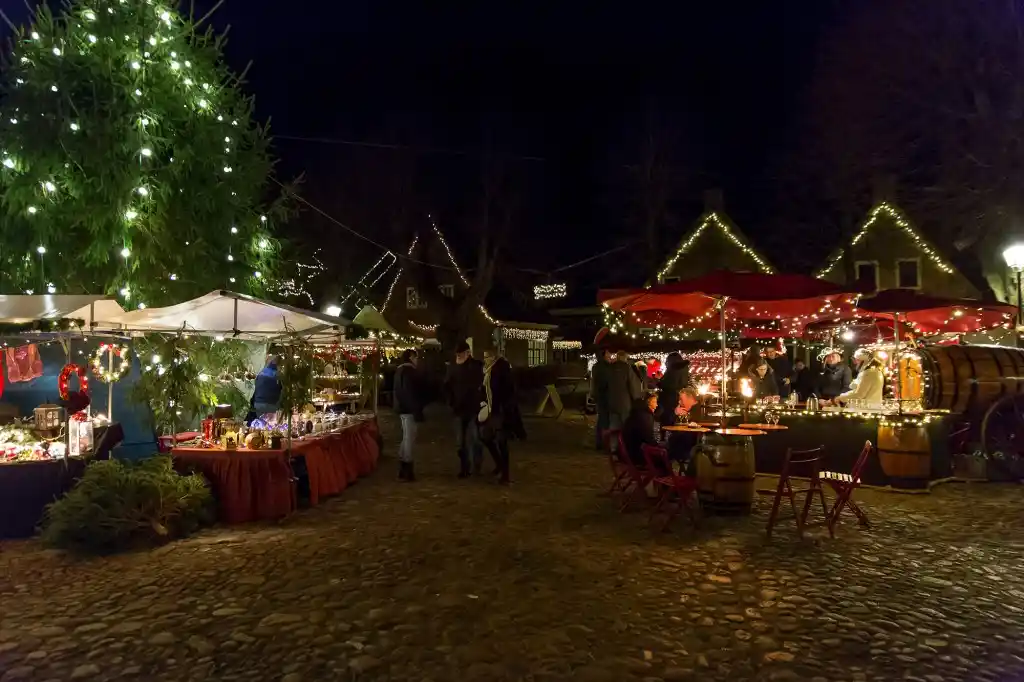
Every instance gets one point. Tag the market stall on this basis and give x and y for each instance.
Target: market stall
(259, 467)
(911, 437)
(51, 426)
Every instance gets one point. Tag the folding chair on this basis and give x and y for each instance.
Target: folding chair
(670, 486)
(620, 476)
(843, 485)
(809, 461)
(637, 477)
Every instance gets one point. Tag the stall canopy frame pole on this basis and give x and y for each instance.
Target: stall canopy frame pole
(110, 386)
(375, 365)
(896, 355)
(724, 386)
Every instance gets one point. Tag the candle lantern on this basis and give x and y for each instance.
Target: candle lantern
(80, 437)
(49, 417)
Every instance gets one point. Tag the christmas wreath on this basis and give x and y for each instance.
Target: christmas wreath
(65, 376)
(101, 370)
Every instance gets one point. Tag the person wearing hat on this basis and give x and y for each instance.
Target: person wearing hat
(835, 376)
(869, 384)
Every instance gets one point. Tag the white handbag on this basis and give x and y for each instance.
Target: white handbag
(484, 414)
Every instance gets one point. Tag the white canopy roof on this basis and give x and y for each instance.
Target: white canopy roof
(370, 318)
(24, 309)
(229, 314)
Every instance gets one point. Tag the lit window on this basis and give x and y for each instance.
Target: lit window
(447, 290)
(536, 352)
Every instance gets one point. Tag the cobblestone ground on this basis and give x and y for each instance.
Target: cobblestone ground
(450, 580)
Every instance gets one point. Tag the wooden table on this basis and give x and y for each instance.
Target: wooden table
(765, 427)
(683, 428)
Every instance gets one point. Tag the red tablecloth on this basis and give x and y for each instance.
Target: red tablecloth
(254, 485)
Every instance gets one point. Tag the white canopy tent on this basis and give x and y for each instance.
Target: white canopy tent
(228, 314)
(25, 309)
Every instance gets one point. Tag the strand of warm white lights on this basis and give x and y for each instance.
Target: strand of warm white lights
(891, 212)
(458, 271)
(542, 291)
(713, 219)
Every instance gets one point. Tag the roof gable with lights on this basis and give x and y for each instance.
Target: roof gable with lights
(718, 222)
(885, 211)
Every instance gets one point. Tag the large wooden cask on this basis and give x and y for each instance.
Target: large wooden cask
(725, 473)
(967, 379)
(905, 454)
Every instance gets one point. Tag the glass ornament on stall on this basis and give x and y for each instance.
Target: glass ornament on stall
(80, 437)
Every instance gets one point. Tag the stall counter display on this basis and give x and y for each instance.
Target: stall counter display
(260, 484)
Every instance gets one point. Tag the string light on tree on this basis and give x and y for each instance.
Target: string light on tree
(147, 59)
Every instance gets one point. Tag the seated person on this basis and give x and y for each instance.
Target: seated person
(680, 445)
(637, 431)
(762, 380)
(868, 385)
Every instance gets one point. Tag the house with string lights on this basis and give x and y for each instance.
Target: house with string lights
(888, 252)
(523, 337)
(713, 243)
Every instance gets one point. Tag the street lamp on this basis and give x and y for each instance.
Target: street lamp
(1014, 257)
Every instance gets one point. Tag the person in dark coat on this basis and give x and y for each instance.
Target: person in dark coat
(620, 393)
(599, 392)
(802, 381)
(835, 376)
(675, 379)
(637, 376)
(500, 420)
(762, 380)
(782, 369)
(637, 431)
(462, 385)
(409, 406)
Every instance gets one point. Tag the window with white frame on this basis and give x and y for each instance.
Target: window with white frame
(447, 290)
(536, 352)
(865, 273)
(908, 273)
(413, 300)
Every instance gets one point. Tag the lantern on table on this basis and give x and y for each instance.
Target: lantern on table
(80, 436)
(49, 417)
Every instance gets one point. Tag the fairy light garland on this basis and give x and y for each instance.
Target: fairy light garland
(712, 219)
(566, 345)
(100, 368)
(545, 291)
(458, 270)
(519, 333)
(886, 209)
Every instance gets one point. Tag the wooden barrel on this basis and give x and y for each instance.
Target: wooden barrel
(905, 454)
(725, 473)
(967, 379)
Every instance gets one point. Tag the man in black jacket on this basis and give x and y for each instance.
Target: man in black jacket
(410, 409)
(463, 383)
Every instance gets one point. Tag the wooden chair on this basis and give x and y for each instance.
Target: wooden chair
(620, 476)
(637, 477)
(670, 487)
(843, 485)
(806, 463)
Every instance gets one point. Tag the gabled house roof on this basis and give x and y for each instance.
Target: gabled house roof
(888, 210)
(715, 220)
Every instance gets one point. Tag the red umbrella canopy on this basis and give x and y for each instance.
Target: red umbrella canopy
(936, 315)
(793, 300)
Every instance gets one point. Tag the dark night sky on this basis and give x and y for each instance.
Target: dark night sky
(567, 82)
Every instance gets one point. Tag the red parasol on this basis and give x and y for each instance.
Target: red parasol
(935, 315)
(793, 301)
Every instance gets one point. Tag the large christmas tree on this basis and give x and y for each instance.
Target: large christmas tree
(130, 161)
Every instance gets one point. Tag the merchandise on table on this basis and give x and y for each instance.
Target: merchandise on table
(19, 443)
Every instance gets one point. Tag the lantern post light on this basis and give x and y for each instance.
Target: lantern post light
(1014, 257)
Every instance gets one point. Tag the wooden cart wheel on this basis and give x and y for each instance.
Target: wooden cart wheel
(1002, 431)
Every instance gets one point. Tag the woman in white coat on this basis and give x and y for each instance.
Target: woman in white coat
(868, 386)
